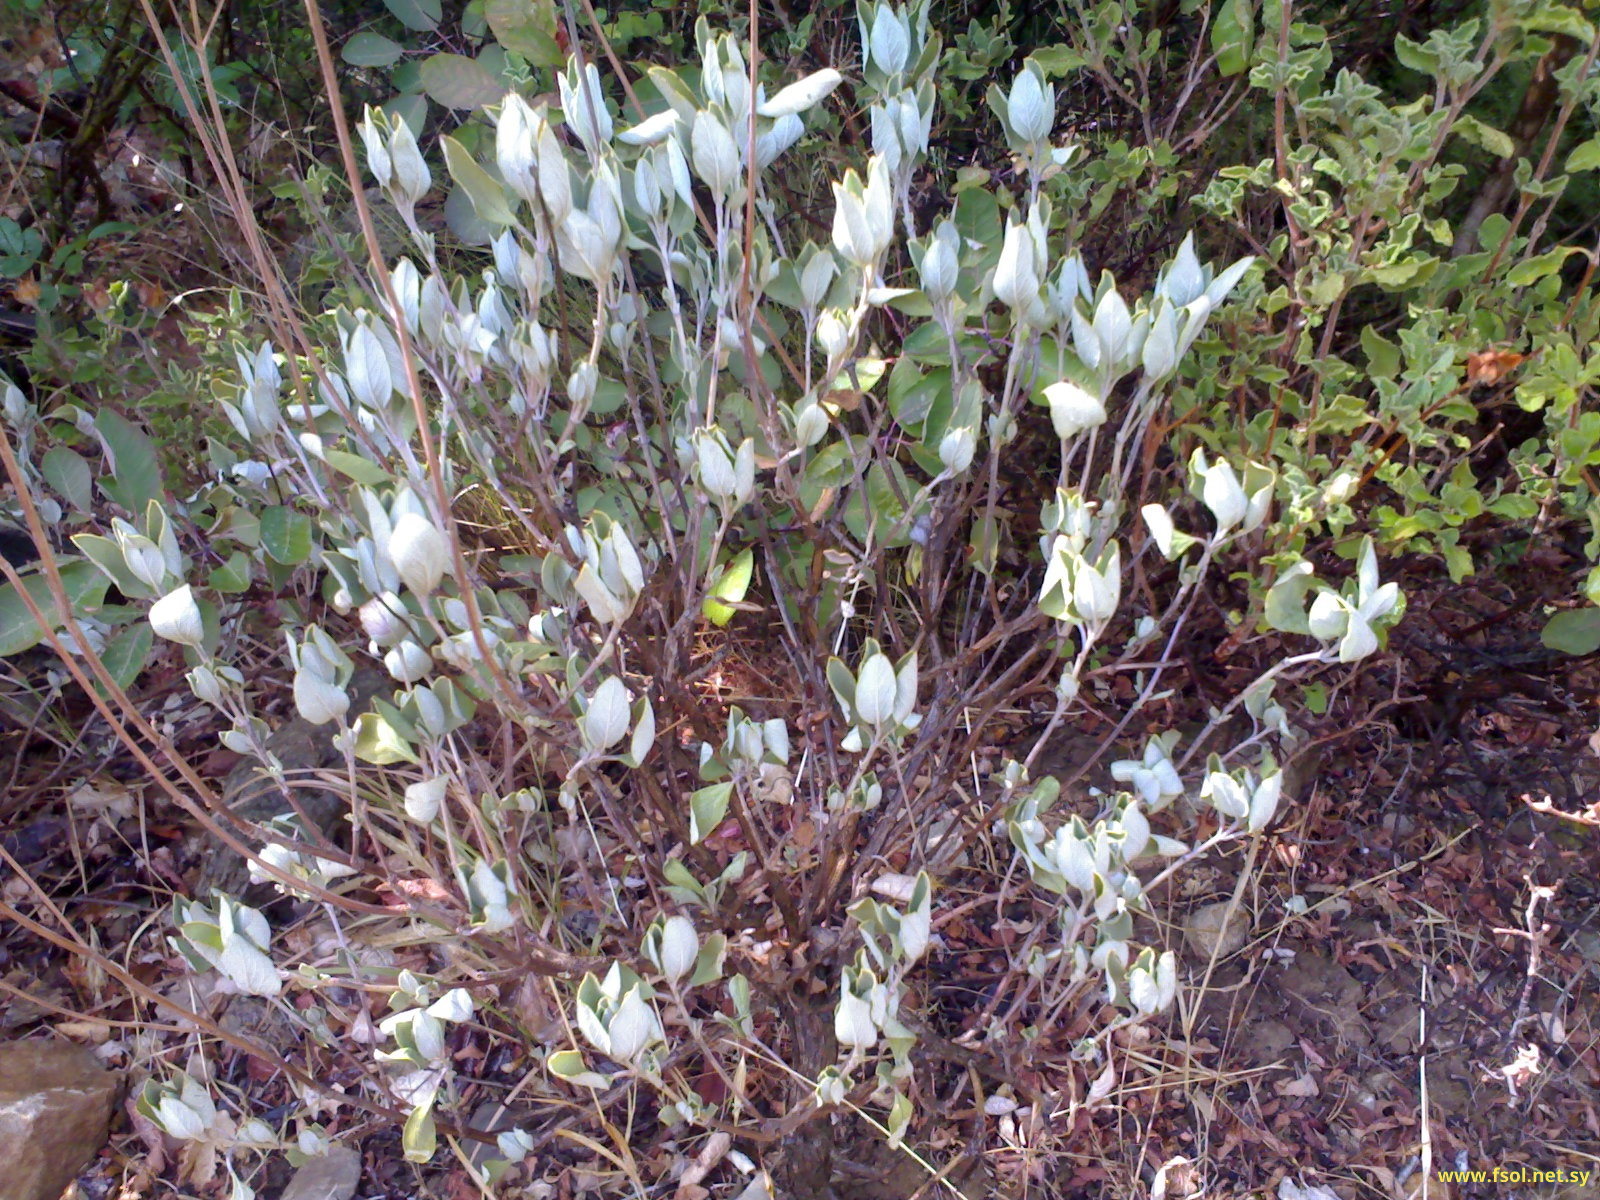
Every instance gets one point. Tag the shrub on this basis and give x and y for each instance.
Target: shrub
(698, 423)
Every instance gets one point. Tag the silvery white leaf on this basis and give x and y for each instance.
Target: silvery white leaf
(1264, 801)
(515, 151)
(420, 552)
(1161, 528)
(772, 143)
(423, 798)
(248, 968)
(408, 662)
(1143, 991)
(802, 94)
(1328, 617)
(680, 947)
(1223, 496)
(366, 369)
(852, 1020)
(818, 277)
(454, 1006)
(632, 1027)
(1359, 640)
(179, 1120)
(651, 130)
(1161, 346)
(644, 733)
(1185, 278)
(715, 155)
(1031, 107)
(607, 718)
(890, 41)
(318, 700)
(1223, 284)
(1112, 326)
(177, 618)
(875, 690)
(1226, 795)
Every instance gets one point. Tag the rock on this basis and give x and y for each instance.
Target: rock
(301, 748)
(490, 1117)
(55, 1110)
(330, 1176)
(1324, 998)
(17, 548)
(1265, 1040)
(1210, 933)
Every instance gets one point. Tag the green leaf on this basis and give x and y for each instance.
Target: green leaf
(1325, 289)
(881, 505)
(363, 470)
(367, 49)
(1233, 37)
(419, 1138)
(135, 466)
(1413, 271)
(528, 28)
(106, 555)
(1514, 506)
(488, 196)
(19, 248)
(1286, 600)
(1383, 356)
(1341, 415)
(286, 535)
(1576, 631)
(456, 81)
(679, 876)
(236, 523)
(1558, 18)
(67, 472)
(1416, 56)
(708, 967)
(463, 220)
(406, 78)
(402, 725)
(126, 654)
(1491, 139)
(1534, 269)
(569, 1065)
(85, 587)
(1585, 157)
(731, 585)
(232, 576)
(1058, 60)
(421, 16)
(412, 108)
(378, 743)
(707, 807)
(978, 219)
(912, 396)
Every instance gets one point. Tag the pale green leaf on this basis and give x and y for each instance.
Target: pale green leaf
(731, 585)
(456, 81)
(286, 535)
(488, 197)
(421, 16)
(1575, 632)
(367, 49)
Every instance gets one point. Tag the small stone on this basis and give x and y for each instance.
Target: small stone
(1210, 933)
(55, 1111)
(330, 1176)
